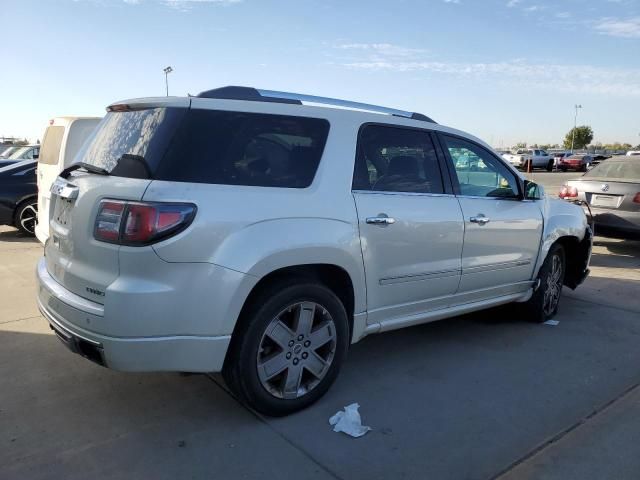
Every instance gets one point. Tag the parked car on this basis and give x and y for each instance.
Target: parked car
(236, 231)
(62, 139)
(558, 156)
(633, 153)
(579, 162)
(612, 190)
(19, 196)
(538, 158)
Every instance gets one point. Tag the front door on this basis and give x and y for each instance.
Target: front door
(502, 231)
(411, 227)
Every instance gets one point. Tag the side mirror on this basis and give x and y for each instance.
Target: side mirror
(532, 191)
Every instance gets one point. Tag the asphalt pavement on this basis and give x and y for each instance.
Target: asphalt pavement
(481, 396)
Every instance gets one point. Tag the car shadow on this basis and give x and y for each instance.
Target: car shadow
(16, 236)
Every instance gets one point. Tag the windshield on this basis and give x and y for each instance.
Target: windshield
(7, 153)
(627, 170)
(18, 153)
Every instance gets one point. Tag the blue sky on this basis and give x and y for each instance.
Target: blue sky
(505, 70)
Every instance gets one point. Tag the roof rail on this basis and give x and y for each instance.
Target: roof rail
(256, 95)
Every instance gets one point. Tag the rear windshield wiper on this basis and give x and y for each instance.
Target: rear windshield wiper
(87, 166)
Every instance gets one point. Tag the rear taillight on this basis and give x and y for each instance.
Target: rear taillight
(568, 191)
(140, 223)
(636, 198)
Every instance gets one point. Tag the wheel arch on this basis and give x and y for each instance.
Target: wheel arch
(332, 276)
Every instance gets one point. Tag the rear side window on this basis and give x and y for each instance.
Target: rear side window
(395, 159)
(51, 144)
(238, 148)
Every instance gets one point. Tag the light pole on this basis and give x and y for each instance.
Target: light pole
(167, 71)
(575, 124)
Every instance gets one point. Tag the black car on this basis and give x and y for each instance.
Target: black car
(19, 196)
(6, 163)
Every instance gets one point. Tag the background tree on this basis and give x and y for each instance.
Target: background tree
(583, 137)
(521, 145)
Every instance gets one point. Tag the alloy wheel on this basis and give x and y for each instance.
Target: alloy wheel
(296, 350)
(28, 218)
(553, 286)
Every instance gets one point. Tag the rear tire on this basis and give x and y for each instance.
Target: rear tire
(287, 350)
(26, 216)
(544, 302)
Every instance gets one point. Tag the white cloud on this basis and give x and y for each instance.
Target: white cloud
(563, 15)
(513, 3)
(629, 28)
(377, 51)
(452, 1)
(569, 78)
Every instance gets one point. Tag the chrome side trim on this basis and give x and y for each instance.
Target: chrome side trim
(496, 266)
(419, 276)
(412, 194)
(64, 295)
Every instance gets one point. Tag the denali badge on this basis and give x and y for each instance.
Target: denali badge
(95, 292)
(605, 187)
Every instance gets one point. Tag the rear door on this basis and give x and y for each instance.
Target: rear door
(502, 232)
(411, 226)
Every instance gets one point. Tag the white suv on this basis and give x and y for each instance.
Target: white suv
(247, 232)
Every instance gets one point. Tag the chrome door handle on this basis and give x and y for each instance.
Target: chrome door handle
(480, 218)
(381, 219)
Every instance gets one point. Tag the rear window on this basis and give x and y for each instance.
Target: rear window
(50, 150)
(628, 170)
(210, 146)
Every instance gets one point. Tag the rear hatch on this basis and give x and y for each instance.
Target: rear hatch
(125, 147)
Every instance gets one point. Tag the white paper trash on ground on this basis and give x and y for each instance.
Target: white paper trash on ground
(553, 323)
(349, 421)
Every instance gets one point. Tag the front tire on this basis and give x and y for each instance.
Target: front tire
(26, 216)
(543, 305)
(288, 348)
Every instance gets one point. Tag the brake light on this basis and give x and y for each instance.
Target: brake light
(636, 198)
(140, 223)
(567, 191)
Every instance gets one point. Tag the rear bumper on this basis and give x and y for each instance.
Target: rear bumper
(616, 221)
(71, 316)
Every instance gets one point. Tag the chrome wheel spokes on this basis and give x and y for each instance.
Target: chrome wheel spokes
(28, 218)
(296, 350)
(553, 286)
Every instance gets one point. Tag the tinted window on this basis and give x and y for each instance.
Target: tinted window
(392, 159)
(209, 146)
(51, 144)
(237, 148)
(479, 173)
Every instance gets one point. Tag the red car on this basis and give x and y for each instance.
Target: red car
(579, 162)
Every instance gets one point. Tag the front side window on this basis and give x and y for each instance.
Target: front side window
(394, 159)
(479, 173)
